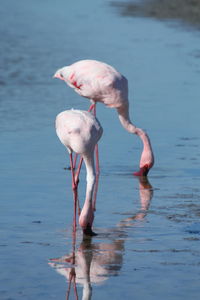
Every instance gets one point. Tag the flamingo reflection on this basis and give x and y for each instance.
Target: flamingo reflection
(93, 262)
(146, 194)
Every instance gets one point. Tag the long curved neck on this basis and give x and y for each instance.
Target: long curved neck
(85, 259)
(147, 157)
(87, 214)
(123, 114)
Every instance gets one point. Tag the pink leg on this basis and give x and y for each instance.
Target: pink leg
(79, 208)
(94, 110)
(75, 288)
(77, 181)
(74, 187)
(78, 171)
(91, 107)
(69, 287)
(72, 277)
(76, 177)
(75, 160)
(72, 273)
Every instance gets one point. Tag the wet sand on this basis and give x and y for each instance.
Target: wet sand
(186, 11)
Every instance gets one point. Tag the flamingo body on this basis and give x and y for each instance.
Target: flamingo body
(97, 81)
(79, 131)
(102, 83)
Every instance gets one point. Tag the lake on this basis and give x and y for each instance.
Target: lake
(148, 242)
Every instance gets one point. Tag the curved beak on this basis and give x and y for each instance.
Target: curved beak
(88, 231)
(56, 75)
(143, 171)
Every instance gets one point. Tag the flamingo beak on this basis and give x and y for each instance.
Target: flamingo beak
(56, 75)
(143, 171)
(88, 231)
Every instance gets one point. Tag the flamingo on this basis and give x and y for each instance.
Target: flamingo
(100, 82)
(79, 131)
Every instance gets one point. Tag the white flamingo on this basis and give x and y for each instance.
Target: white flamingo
(102, 83)
(79, 131)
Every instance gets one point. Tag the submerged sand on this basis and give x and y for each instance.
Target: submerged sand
(187, 11)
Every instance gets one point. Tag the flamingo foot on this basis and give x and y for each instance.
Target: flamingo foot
(143, 171)
(88, 231)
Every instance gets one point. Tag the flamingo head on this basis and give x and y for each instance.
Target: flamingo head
(143, 170)
(85, 221)
(58, 75)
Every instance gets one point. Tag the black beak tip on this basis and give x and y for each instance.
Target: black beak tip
(143, 171)
(88, 232)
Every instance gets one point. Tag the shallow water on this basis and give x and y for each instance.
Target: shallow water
(148, 233)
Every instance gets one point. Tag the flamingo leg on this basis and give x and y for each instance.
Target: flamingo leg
(74, 184)
(78, 171)
(69, 287)
(72, 278)
(77, 182)
(75, 288)
(75, 160)
(74, 187)
(91, 107)
(94, 109)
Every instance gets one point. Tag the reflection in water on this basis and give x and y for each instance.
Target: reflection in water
(146, 194)
(94, 262)
(91, 263)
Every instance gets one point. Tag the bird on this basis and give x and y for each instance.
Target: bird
(101, 82)
(79, 131)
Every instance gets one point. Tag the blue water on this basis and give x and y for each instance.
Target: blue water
(148, 239)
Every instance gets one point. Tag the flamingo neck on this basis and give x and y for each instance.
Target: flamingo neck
(87, 213)
(147, 157)
(123, 114)
(85, 259)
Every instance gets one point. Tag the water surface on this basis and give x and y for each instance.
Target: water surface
(148, 233)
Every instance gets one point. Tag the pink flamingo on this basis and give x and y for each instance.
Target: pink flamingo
(79, 131)
(102, 83)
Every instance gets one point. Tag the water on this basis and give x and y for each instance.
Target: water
(148, 233)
